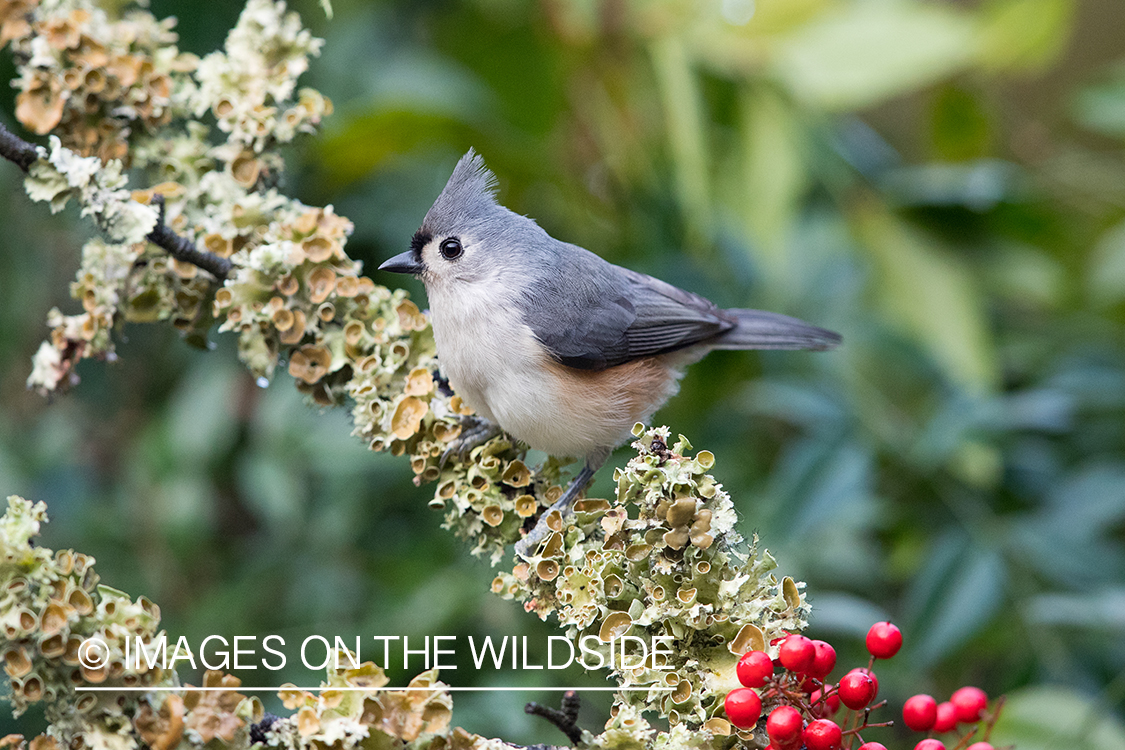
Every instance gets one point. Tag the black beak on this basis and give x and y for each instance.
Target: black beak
(403, 263)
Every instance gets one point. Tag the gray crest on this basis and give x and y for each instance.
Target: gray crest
(469, 195)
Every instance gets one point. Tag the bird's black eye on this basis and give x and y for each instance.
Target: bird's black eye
(451, 249)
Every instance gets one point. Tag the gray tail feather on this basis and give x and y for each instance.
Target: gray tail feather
(758, 329)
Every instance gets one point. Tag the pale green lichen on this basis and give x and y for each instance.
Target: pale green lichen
(664, 559)
(249, 86)
(98, 188)
(58, 177)
(212, 192)
(51, 601)
(100, 83)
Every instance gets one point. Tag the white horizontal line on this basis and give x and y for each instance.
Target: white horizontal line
(371, 689)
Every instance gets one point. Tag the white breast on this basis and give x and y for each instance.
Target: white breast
(494, 362)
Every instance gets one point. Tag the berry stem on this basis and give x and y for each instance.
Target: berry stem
(990, 724)
(964, 742)
(848, 719)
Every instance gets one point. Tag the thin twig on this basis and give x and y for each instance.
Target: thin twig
(24, 154)
(565, 719)
(16, 149)
(181, 248)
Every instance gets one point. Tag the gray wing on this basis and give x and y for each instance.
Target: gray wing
(591, 314)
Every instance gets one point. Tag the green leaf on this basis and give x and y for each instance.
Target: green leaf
(687, 138)
(960, 125)
(959, 590)
(1049, 717)
(1101, 106)
(776, 16)
(1025, 34)
(931, 293)
(1100, 608)
(1027, 274)
(864, 53)
(773, 177)
(1106, 270)
(199, 423)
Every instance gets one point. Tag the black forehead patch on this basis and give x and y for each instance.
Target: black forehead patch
(419, 241)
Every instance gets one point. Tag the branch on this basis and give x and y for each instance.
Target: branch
(565, 719)
(181, 248)
(16, 149)
(23, 154)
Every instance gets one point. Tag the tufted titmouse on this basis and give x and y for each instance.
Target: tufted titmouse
(561, 349)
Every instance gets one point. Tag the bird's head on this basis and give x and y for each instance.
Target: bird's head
(466, 235)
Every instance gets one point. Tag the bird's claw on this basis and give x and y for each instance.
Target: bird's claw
(475, 431)
(527, 547)
(529, 544)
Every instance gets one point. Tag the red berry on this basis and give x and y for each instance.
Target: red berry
(930, 744)
(946, 717)
(823, 734)
(970, 703)
(784, 725)
(824, 661)
(980, 746)
(797, 654)
(754, 668)
(857, 689)
(884, 640)
(872, 746)
(869, 673)
(920, 712)
(743, 707)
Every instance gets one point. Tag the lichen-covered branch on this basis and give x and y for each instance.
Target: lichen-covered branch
(52, 603)
(183, 249)
(16, 149)
(24, 154)
(116, 93)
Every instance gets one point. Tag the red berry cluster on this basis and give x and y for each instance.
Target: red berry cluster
(967, 705)
(800, 703)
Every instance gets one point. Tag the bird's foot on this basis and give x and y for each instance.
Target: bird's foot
(475, 431)
(529, 545)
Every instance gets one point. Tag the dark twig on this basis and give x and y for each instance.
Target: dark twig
(16, 149)
(181, 248)
(24, 154)
(565, 719)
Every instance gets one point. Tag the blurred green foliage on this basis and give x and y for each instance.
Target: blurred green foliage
(940, 181)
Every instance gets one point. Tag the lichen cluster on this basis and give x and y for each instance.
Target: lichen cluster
(662, 558)
(116, 93)
(52, 603)
(342, 717)
(94, 80)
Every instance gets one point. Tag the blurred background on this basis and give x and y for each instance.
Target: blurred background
(943, 182)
